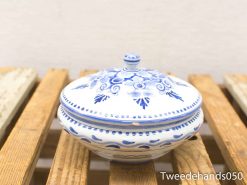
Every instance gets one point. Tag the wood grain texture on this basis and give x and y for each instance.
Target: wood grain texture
(71, 162)
(20, 152)
(15, 85)
(237, 86)
(192, 157)
(229, 131)
(132, 174)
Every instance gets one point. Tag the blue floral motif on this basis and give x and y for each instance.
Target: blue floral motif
(143, 102)
(109, 82)
(94, 82)
(81, 86)
(73, 130)
(177, 136)
(154, 141)
(85, 139)
(177, 83)
(128, 142)
(144, 146)
(174, 95)
(139, 85)
(100, 98)
(96, 138)
(113, 146)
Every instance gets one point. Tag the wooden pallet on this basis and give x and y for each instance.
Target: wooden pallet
(34, 150)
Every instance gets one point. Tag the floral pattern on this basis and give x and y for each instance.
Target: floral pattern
(109, 82)
(100, 98)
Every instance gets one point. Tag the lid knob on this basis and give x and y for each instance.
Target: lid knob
(131, 60)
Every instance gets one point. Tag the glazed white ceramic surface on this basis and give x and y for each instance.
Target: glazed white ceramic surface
(130, 114)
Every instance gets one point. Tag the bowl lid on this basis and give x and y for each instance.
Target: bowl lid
(130, 96)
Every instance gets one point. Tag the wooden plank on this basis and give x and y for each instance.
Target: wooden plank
(20, 152)
(228, 129)
(136, 174)
(6, 69)
(16, 85)
(71, 162)
(192, 157)
(237, 86)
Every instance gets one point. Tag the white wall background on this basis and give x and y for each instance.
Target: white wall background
(184, 37)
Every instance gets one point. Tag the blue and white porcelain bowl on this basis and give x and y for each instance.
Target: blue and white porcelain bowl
(130, 114)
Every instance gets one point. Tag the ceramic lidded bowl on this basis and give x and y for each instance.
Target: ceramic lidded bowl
(130, 114)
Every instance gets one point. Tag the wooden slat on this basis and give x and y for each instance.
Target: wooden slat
(132, 174)
(192, 157)
(6, 69)
(71, 162)
(136, 174)
(20, 152)
(228, 129)
(237, 86)
(15, 85)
